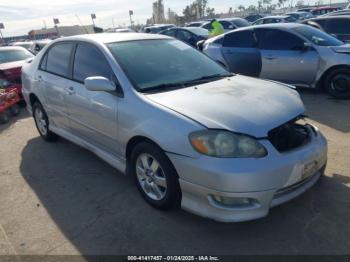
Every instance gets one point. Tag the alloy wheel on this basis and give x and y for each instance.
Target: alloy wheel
(150, 176)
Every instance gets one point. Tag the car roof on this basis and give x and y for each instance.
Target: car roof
(276, 16)
(329, 17)
(3, 48)
(105, 38)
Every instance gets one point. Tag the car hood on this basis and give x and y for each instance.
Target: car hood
(345, 49)
(239, 104)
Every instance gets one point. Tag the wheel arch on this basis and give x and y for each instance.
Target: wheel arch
(322, 79)
(33, 98)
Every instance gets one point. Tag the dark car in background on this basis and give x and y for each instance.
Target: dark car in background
(275, 20)
(252, 18)
(300, 16)
(189, 35)
(338, 26)
(155, 29)
(323, 10)
(338, 13)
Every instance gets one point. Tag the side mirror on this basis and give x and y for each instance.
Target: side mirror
(99, 83)
(200, 45)
(306, 47)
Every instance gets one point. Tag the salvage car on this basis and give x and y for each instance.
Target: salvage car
(11, 60)
(222, 146)
(291, 53)
(275, 20)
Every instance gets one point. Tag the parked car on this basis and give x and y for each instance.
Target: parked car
(275, 19)
(9, 99)
(305, 9)
(26, 44)
(338, 13)
(189, 35)
(155, 29)
(291, 53)
(38, 45)
(223, 146)
(300, 16)
(323, 10)
(338, 26)
(237, 22)
(227, 25)
(11, 60)
(253, 18)
(194, 24)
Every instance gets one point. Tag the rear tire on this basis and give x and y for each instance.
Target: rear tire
(337, 83)
(42, 123)
(159, 186)
(4, 117)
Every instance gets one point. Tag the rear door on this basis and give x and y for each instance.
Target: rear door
(52, 75)
(92, 114)
(283, 57)
(241, 53)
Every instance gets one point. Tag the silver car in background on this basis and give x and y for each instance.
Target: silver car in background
(291, 53)
(223, 146)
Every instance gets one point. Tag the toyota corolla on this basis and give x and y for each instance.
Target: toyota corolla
(220, 145)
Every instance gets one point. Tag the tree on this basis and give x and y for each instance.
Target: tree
(300, 3)
(210, 12)
(241, 8)
(281, 3)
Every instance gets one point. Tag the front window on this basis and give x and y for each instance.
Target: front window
(7, 56)
(199, 31)
(153, 64)
(318, 37)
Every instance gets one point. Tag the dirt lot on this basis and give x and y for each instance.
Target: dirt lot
(61, 199)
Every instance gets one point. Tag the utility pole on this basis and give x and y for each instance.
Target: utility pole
(131, 13)
(2, 37)
(93, 17)
(56, 21)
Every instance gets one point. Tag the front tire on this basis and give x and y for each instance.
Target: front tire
(337, 83)
(155, 176)
(42, 123)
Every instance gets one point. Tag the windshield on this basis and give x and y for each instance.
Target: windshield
(7, 56)
(198, 31)
(152, 63)
(318, 37)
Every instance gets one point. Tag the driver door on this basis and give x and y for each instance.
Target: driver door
(92, 114)
(285, 59)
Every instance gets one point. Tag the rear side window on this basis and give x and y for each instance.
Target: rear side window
(169, 32)
(227, 25)
(58, 59)
(269, 39)
(243, 39)
(89, 61)
(338, 26)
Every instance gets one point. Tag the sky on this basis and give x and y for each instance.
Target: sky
(20, 16)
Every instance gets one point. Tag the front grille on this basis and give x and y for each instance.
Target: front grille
(290, 135)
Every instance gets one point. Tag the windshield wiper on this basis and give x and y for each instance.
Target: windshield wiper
(171, 86)
(162, 87)
(206, 78)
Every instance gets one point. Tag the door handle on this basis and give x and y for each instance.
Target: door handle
(70, 90)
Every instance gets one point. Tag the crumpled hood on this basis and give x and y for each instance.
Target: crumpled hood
(344, 49)
(240, 104)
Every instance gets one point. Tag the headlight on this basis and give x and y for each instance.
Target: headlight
(226, 144)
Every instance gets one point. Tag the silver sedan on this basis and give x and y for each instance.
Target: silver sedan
(223, 146)
(291, 53)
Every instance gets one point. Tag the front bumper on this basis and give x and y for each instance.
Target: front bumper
(268, 182)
